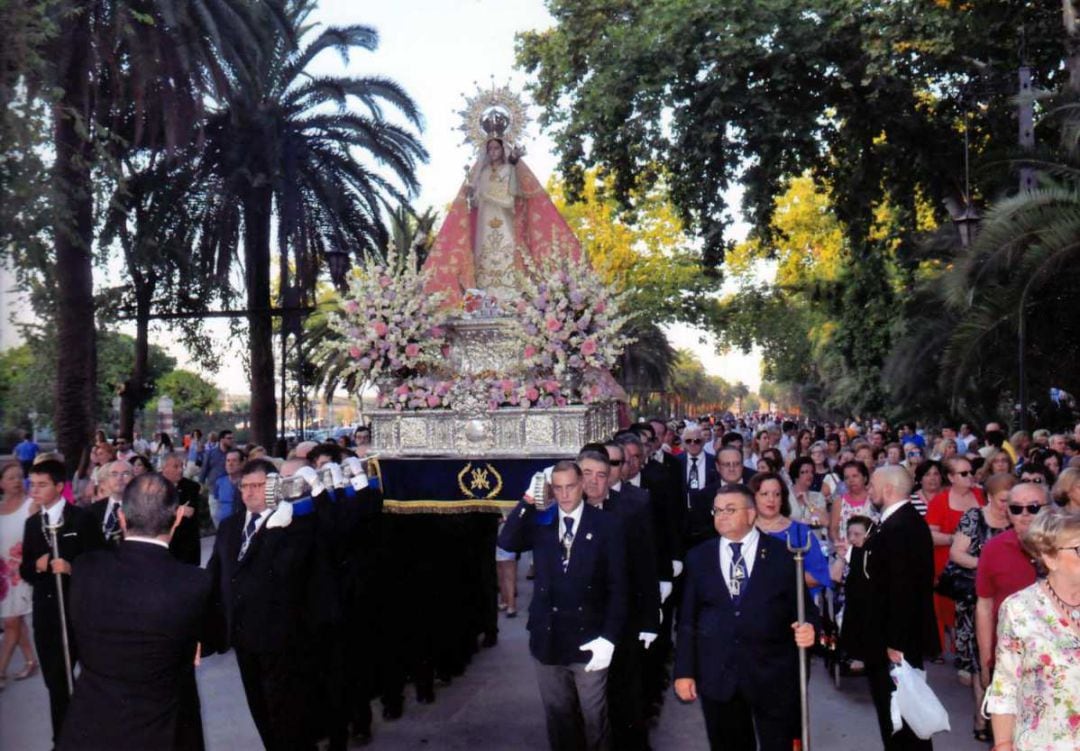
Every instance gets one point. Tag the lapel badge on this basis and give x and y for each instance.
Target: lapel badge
(588, 535)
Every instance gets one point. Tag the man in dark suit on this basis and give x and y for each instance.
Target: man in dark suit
(626, 691)
(896, 564)
(105, 531)
(734, 647)
(260, 569)
(729, 471)
(185, 544)
(578, 606)
(39, 569)
(137, 614)
(698, 471)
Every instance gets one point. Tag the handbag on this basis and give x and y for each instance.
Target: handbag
(956, 582)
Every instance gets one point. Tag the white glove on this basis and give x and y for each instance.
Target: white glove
(282, 516)
(665, 591)
(602, 650)
(312, 478)
(536, 488)
(646, 638)
(357, 475)
(337, 477)
(676, 568)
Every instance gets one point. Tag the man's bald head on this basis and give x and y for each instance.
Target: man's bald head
(303, 449)
(889, 485)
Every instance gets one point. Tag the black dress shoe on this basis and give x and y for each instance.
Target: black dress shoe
(391, 712)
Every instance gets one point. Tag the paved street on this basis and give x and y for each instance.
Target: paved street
(496, 707)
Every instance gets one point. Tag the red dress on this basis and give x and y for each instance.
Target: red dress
(946, 519)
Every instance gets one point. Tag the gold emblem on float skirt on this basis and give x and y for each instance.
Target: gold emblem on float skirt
(495, 223)
(480, 483)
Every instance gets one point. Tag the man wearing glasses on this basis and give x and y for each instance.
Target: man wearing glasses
(1005, 568)
(697, 470)
(106, 532)
(735, 649)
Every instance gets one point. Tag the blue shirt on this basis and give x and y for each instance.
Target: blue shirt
(213, 466)
(815, 563)
(26, 450)
(227, 494)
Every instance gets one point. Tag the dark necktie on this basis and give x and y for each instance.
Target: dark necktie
(112, 522)
(738, 573)
(567, 541)
(249, 532)
(693, 483)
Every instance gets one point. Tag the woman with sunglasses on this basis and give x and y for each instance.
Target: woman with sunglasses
(943, 514)
(1066, 490)
(1032, 699)
(977, 527)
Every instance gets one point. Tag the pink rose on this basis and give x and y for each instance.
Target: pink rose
(433, 401)
(355, 353)
(588, 347)
(412, 350)
(530, 352)
(351, 307)
(532, 394)
(550, 386)
(401, 390)
(379, 328)
(436, 332)
(385, 281)
(599, 307)
(552, 324)
(507, 385)
(560, 401)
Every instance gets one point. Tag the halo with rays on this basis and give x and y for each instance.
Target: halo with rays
(496, 112)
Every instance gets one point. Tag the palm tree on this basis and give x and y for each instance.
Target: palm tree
(138, 70)
(286, 141)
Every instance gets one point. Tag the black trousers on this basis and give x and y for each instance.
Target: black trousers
(738, 725)
(48, 640)
(276, 698)
(626, 697)
(881, 689)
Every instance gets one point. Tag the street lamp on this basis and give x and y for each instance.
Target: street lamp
(967, 223)
(339, 262)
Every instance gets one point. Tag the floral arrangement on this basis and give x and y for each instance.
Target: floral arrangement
(390, 326)
(424, 392)
(571, 321)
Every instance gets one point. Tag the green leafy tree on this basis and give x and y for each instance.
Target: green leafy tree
(288, 142)
(132, 70)
(695, 94)
(189, 391)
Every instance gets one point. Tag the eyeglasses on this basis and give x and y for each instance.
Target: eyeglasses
(914, 454)
(695, 441)
(615, 462)
(1018, 508)
(120, 474)
(730, 465)
(1037, 479)
(728, 510)
(1074, 548)
(965, 473)
(252, 485)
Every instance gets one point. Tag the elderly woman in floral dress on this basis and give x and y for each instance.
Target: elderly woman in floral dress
(1034, 698)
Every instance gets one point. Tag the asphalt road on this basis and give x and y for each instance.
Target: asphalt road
(495, 706)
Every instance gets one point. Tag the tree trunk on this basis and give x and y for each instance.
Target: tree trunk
(76, 371)
(134, 393)
(257, 206)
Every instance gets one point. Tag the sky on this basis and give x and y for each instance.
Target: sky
(440, 51)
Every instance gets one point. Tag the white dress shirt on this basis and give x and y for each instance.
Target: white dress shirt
(635, 480)
(151, 540)
(892, 509)
(617, 486)
(748, 553)
(259, 524)
(55, 513)
(576, 516)
(701, 461)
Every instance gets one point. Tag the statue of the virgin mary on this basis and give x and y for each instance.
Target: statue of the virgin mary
(501, 214)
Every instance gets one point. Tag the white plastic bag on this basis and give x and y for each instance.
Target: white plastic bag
(917, 704)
